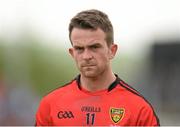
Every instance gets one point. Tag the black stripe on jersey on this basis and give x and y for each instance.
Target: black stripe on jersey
(60, 86)
(131, 89)
(114, 84)
(78, 81)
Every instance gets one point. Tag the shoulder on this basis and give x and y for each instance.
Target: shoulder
(49, 100)
(59, 92)
(138, 103)
(132, 96)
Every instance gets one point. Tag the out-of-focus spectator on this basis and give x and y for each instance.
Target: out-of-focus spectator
(3, 101)
(17, 105)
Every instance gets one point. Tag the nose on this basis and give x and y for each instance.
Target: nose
(87, 55)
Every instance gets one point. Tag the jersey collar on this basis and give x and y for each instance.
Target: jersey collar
(111, 86)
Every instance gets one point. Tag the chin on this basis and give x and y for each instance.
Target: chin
(90, 74)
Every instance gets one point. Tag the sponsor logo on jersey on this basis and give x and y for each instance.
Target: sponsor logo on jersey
(90, 109)
(65, 114)
(117, 114)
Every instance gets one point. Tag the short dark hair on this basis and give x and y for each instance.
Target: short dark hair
(93, 19)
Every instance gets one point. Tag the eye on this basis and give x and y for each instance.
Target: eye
(79, 49)
(95, 47)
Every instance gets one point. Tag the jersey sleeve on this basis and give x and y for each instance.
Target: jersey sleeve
(147, 117)
(43, 114)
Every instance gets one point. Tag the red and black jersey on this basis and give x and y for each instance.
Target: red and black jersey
(119, 105)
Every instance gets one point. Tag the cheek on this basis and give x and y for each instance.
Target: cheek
(104, 58)
(77, 59)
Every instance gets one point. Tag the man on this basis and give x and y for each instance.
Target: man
(97, 96)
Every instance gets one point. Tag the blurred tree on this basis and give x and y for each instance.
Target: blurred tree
(29, 60)
(49, 68)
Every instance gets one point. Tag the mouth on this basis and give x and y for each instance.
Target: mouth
(88, 65)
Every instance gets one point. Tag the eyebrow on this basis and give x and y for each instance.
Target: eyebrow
(91, 45)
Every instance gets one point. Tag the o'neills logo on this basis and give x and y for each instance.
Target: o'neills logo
(117, 114)
(90, 109)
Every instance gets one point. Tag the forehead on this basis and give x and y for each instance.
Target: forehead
(87, 36)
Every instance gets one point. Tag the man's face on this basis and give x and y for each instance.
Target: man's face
(90, 51)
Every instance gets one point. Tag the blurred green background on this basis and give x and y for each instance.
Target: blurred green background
(45, 68)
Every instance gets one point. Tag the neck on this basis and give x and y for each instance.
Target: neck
(100, 82)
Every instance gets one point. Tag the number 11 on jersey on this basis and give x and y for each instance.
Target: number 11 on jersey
(90, 117)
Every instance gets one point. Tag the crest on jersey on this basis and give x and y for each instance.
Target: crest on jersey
(117, 114)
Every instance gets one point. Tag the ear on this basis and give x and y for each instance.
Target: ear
(71, 52)
(113, 50)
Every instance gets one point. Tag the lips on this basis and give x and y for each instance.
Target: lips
(88, 65)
